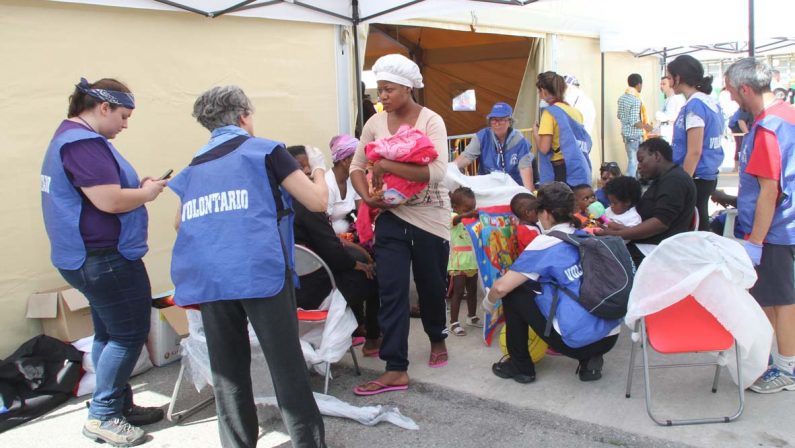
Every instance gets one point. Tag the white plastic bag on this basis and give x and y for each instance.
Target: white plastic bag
(492, 189)
(197, 361)
(88, 381)
(328, 341)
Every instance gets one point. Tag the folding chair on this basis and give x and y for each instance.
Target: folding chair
(176, 417)
(306, 262)
(684, 327)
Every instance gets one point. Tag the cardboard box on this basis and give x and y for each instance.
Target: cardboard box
(167, 328)
(64, 313)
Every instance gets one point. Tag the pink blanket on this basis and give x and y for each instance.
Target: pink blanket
(408, 145)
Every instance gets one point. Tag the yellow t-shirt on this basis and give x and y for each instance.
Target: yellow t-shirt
(548, 126)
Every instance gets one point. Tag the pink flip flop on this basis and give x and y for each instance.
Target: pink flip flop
(358, 390)
(373, 354)
(434, 361)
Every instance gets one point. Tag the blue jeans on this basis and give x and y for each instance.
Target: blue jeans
(120, 296)
(631, 145)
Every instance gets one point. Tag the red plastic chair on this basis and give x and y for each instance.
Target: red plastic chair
(684, 327)
(306, 262)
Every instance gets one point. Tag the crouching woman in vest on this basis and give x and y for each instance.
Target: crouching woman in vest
(93, 205)
(547, 261)
(233, 256)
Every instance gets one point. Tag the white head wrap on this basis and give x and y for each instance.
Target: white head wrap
(398, 69)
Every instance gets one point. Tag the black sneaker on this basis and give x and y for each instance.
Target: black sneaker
(506, 369)
(139, 415)
(591, 369)
(116, 432)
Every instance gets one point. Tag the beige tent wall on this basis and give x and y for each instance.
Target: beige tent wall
(618, 66)
(580, 56)
(167, 58)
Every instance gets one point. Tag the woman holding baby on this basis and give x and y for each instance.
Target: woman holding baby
(414, 234)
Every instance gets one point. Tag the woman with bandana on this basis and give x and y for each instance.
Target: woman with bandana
(342, 198)
(93, 206)
(414, 235)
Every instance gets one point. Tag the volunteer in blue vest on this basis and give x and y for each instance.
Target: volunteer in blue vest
(766, 211)
(698, 130)
(500, 147)
(526, 291)
(563, 144)
(93, 205)
(233, 256)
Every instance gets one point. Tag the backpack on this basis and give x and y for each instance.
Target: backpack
(608, 272)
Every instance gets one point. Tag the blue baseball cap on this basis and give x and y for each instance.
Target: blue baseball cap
(500, 110)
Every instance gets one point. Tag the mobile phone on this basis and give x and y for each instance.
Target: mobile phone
(166, 175)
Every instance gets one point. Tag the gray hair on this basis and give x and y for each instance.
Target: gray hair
(221, 106)
(748, 71)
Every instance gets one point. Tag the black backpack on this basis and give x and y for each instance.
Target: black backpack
(608, 272)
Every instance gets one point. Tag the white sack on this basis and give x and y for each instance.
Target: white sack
(717, 272)
(197, 361)
(492, 189)
(328, 341)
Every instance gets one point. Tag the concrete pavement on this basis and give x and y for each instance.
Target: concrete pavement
(465, 405)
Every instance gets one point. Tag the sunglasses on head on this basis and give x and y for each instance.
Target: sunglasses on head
(607, 165)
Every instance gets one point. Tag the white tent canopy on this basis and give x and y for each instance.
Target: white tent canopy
(338, 12)
(619, 24)
(641, 24)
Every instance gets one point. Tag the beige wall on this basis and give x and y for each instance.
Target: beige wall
(167, 59)
(581, 57)
(618, 66)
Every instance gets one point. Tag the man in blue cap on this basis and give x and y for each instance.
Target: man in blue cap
(500, 147)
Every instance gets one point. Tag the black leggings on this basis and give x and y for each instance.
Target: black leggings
(520, 311)
(704, 188)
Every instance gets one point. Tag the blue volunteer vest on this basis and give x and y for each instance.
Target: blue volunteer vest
(575, 144)
(560, 264)
(711, 150)
(62, 205)
(508, 162)
(782, 229)
(230, 244)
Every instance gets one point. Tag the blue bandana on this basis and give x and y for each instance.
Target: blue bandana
(123, 99)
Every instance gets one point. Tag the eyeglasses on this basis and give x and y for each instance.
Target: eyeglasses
(500, 120)
(608, 165)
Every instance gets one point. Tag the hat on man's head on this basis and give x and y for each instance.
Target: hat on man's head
(500, 110)
(571, 80)
(398, 69)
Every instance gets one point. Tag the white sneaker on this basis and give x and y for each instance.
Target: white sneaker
(772, 381)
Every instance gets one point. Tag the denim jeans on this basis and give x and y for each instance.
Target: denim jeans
(631, 145)
(120, 296)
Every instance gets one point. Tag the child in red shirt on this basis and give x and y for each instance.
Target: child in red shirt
(525, 207)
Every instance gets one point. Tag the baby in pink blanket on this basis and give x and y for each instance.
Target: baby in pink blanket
(408, 145)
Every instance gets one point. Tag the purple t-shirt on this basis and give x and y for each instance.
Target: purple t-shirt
(89, 163)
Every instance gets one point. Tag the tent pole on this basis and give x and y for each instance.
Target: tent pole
(602, 135)
(751, 40)
(357, 69)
